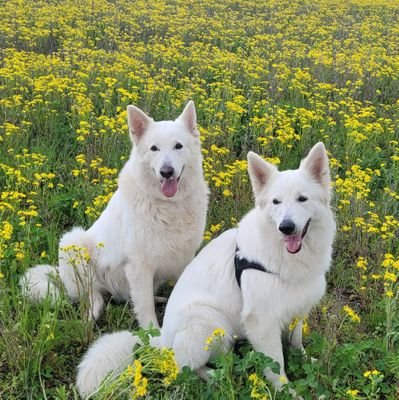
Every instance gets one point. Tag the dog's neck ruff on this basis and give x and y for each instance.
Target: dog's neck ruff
(241, 264)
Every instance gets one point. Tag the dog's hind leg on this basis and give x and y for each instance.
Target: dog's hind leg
(197, 342)
(189, 348)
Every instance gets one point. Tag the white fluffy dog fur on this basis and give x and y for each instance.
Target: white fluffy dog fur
(290, 232)
(150, 229)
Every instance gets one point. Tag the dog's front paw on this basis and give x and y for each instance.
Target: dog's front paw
(96, 307)
(283, 386)
(294, 394)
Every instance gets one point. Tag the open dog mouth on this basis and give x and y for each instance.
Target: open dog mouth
(169, 186)
(294, 242)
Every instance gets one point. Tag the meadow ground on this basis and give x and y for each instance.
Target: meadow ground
(269, 76)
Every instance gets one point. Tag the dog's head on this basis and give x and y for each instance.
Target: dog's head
(165, 148)
(293, 201)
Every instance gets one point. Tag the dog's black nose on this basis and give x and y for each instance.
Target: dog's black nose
(287, 227)
(167, 171)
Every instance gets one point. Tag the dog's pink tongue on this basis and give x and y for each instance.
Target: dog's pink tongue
(169, 187)
(293, 243)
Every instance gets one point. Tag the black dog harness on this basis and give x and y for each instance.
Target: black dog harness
(241, 264)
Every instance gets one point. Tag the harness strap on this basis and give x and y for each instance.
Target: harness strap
(241, 264)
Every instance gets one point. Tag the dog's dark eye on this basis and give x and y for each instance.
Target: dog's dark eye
(178, 146)
(154, 148)
(302, 199)
(275, 201)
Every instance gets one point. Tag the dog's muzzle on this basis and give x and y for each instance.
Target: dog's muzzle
(293, 240)
(169, 182)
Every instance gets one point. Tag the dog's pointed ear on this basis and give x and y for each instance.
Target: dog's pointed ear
(189, 118)
(138, 122)
(260, 172)
(316, 164)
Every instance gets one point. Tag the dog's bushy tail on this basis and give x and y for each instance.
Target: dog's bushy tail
(110, 353)
(44, 280)
(39, 282)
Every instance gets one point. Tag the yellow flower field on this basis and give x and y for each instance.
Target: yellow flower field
(270, 76)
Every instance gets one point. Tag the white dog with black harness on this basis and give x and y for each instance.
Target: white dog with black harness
(251, 281)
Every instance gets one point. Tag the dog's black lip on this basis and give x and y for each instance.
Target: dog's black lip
(181, 173)
(297, 251)
(178, 178)
(305, 229)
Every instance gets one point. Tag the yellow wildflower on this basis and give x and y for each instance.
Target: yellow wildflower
(371, 373)
(352, 392)
(217, 335)
(283, 379)
(258, 387)
(227, 193)
(167, 366)
(6, 230)
(351, 314)
(361, 263)
(389, 276)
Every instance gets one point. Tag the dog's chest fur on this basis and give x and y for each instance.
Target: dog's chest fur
(168, 233)
(268, 297)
